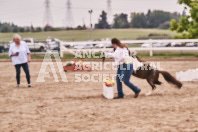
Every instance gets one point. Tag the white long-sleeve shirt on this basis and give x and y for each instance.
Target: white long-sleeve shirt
(23, 53)
(120, 55)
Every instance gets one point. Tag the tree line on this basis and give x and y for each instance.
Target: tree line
(151, 19)
(10, 27)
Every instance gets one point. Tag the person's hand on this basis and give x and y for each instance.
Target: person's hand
(105, 52)
(29, 59)
(15, 54)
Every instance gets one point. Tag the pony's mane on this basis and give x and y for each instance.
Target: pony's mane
(140, 60)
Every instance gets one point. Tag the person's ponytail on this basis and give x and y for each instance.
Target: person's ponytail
(119, 44)
(123, 46)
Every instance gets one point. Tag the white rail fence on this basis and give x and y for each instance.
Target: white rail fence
(63, 49)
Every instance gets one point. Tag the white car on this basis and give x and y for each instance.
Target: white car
(191, 45)
(173, 44)
(99, 45)
(35, 45)
(157, 44)
(83, 46)
(109, 45)
(88, 46)
(145, 45)
(53, 44)
(79, 46)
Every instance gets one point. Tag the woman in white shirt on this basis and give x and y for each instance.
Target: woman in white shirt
(20, 54)
(125, 68)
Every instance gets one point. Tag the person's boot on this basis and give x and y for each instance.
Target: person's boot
(119, 97)
(137, 94)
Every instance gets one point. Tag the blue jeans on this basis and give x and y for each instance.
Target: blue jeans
(18, 71)
(123, 75)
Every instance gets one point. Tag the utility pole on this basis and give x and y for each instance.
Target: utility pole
(90, 12)
(69, 21)
(109, 11)
(47, 20)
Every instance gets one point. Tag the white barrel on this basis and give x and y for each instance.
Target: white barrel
(189, 75)
(108, 92)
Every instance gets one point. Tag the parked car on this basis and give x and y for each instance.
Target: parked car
(88, 46)
(99, 45)
(164, 44)
(53, 44)
(109, 46)
(2, 48)
(180, 44)
(173, 44)
(145, 45)
(67, 45)
(79, 46)
(102, 45)
(167, 44)
(35, 45)
(83, 46)
(157, 44)
(191, 45)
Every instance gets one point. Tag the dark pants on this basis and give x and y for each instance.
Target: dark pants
(123, 75)
(18, 71)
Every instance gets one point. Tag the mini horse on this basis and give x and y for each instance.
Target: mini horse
(151, 74)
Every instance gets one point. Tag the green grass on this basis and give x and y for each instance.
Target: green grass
(145, 55)
(134, 45)
(84, 35)
(169, 55)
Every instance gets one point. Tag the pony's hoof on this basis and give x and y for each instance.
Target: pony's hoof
(148, 94)
(161, 93)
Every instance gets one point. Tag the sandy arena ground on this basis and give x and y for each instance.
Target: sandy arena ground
(72, 107)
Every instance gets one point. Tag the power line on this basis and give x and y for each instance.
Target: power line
(69, 21)
(109, 11)
(47, 20)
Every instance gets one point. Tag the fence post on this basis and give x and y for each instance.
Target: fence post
(151, 46)
(61, 50)
(104, 46)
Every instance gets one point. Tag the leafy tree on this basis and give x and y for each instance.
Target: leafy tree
(158, 17)
(21, 29)
(187, 26)
(27, 29)
(147, 17)
(153, 19)
(183, 13)
(165, 25)
(5, 28)
(121, 21)
(47, 28)
(15, 30)
(38, 29)
(32, 28)
(102, 22)
(81, 27)
(84, 27)
(138, 20)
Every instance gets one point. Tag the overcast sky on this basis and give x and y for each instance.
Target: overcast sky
(25, 12)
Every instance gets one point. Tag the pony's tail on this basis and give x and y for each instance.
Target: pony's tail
(169, 78)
